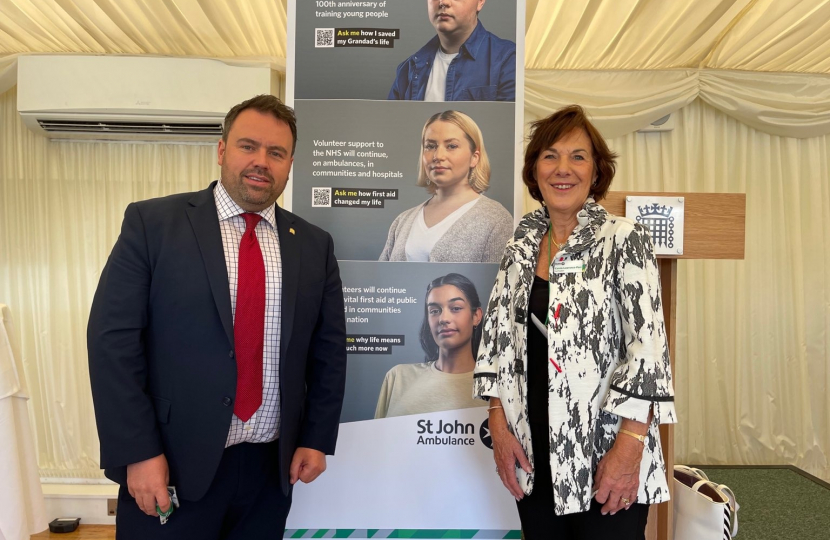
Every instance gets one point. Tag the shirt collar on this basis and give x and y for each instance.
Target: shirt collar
(473, 42)
(226, 208)
(468, 48)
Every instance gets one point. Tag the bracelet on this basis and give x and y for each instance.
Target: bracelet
(494, 407)
(641, 438)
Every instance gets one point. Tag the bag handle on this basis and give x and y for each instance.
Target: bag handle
(720, 493)
(691, 471)
(733, 505)
(710, 490)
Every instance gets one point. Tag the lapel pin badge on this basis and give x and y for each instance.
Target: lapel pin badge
(291, 230)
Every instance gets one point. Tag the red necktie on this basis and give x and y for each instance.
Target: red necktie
(249, 322)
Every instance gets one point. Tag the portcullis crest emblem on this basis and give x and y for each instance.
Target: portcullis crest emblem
(660, 223)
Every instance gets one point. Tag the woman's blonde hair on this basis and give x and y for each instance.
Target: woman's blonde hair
(480, 174)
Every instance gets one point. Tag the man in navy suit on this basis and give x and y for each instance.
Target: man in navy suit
(217, 346)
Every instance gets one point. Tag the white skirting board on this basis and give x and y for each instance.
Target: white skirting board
(88, 502)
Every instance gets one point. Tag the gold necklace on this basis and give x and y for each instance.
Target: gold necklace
(557, 244)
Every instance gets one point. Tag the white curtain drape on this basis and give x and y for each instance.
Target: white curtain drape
(61, 205)
(234, 29)
(752, 357)
(750, 35)
(785, 104)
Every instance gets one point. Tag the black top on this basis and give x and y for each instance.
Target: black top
(537, 355)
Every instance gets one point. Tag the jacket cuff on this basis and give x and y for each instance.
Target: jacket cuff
(484, 385)
(130, 453)
(636, 408)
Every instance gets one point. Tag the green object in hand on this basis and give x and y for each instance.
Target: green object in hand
(174, 503)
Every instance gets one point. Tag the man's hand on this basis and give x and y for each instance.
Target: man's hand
(306, 465)
(147, 483)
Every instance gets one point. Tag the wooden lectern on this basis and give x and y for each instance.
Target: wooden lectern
(715, 225)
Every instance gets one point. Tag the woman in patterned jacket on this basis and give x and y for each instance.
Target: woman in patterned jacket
(574, 357)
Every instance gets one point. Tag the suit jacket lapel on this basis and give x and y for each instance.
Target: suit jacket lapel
(205, 222)
(290, 256)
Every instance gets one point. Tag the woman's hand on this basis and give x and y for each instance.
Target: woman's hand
(506, 451)
(618, 475)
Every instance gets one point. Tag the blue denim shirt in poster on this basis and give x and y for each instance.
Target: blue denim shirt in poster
(484, 70)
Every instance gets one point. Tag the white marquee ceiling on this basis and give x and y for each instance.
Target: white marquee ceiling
(755, 35)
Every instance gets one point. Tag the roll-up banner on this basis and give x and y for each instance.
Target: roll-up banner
(409, 154)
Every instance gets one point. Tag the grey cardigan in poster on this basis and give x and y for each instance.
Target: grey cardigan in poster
(607, 334)
(478, 236)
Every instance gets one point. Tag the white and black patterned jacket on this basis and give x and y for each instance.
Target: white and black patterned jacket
(609, 341)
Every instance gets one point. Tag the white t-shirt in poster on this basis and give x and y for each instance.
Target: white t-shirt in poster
(437, 82)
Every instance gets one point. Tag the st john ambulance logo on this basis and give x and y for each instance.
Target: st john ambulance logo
(446, 433)
(660, 223)
(484, 434)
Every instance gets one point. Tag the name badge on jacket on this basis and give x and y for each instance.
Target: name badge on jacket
(565, 266)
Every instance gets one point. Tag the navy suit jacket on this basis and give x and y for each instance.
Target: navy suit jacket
(161, 351)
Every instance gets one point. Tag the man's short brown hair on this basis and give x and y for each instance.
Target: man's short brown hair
(266, 104)
(544, 133)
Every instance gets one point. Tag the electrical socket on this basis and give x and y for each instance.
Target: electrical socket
(112, 506)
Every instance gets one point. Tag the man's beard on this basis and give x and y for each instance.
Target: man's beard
(245, 192)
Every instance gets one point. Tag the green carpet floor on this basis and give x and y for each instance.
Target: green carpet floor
(777, 504)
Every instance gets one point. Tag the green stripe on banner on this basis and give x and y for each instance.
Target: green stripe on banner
(466, 534)
(413, 534)
(433, 534)
(403, 533)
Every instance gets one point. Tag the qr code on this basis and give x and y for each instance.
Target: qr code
(321, 197)
(324, 37)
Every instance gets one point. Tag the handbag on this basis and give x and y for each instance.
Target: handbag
(703, 510)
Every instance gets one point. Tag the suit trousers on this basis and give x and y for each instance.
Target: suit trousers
(244, 501)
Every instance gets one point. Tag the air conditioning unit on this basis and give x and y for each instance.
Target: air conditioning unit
(132, 97)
